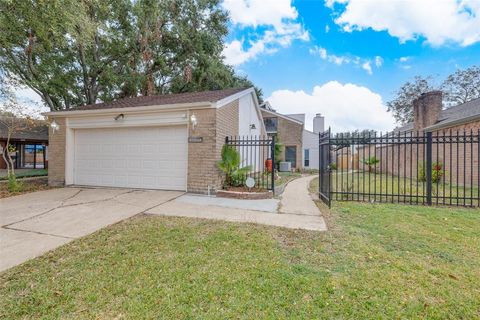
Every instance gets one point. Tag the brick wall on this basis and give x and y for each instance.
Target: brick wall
(56, 154)
(460, 161)
(213, 126)
(289, 133)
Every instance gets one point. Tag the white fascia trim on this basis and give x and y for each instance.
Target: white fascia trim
(238, 95)
(259, 112)
(282, 116)
(155, 108)
(233, 97)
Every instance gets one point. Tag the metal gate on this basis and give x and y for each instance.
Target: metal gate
(324, 158)
(440, 168)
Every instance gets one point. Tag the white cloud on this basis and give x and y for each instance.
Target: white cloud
(275, 25)
(438, 21)
(403, 62)
(367, 67)
(346, 107)
(365, 64)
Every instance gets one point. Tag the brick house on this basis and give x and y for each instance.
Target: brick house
(429, 116)
(300, 146)
(170, 142)
(30, 146)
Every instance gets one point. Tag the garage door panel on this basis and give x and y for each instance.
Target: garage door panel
(153, 157)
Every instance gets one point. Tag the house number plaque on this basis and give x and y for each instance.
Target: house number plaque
(195, 139)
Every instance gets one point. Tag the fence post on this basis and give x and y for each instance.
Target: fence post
(320, 163)
(429, 168)
(329, 169)
(273, 164)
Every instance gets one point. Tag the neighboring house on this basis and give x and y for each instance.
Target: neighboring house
(429, 116)
(30, 146)
(300, 145)
(289, 132)
(310, 143)
(170, 142)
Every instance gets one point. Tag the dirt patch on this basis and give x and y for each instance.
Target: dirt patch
(28, 186)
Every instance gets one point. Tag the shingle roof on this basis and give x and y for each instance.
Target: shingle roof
(177, 98)
(459, 112)
(453, 115)
(37, 133)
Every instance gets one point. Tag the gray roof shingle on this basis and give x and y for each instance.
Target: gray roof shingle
(177, 98)
(451, 116)
(39, 132)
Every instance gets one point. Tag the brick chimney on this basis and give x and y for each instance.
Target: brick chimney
(426, 109)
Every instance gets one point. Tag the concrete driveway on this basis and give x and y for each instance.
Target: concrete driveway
(35, 223)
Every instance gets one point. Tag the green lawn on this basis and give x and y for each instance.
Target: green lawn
(403, 189)
(25, 173)
(285, 177)
(376, 261)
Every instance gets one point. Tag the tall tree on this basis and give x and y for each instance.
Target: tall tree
(402, 105)
(100, 50)
(462, 86)
(459, 87)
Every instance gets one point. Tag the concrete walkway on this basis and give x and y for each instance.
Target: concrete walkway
(297, 209)
(297, 200)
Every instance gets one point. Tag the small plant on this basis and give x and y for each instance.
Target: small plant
(13, 184)
(371, 163)
(437, 172)
(278, 150)
(11, 148)
(230, 166)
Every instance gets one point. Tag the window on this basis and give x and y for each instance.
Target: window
(270, 124)
(306, 158)
(291, 155)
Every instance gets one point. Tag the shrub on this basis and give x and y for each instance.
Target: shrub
(13, 185)
(437, 172)
(230, 166)
(370, 162)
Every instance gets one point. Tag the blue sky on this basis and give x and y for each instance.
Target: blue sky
(306, 54)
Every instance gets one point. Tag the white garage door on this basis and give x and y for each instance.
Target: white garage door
(144, 157)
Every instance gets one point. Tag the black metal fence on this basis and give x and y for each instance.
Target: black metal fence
(258, 154)
(441, 168)
(324, 167)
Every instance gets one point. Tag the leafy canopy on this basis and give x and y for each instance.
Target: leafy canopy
(460, 87)
(75, 52)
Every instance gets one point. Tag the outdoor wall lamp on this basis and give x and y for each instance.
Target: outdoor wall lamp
(55, 126)
(120, 116)
(253, 126)
(193, 121)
